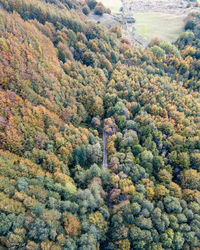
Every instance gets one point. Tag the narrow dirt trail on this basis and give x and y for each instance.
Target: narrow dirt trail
(105, 155)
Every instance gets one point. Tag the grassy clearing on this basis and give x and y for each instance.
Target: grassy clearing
(114, 5)
(164, 26)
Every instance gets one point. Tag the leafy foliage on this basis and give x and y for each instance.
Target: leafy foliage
(61, 79)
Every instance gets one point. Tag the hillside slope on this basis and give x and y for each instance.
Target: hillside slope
(62, 81)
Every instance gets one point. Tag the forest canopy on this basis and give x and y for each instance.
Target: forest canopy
(64, 82)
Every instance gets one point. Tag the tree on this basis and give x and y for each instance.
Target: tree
(169, 48)
(22, 183)
(87, 241)
(161, 191)
(70, 244)
(80, 155)
(94, 171)
(110, 126)
(172, 205)
(137, 173)
(190, 179)
(94, 153)
(175, 190)
(136, 236)
(72, 225)
(120, 233)
(99, 10)
(164, 176)
(38, 230)
(167, 238)
(135, 208)
(183, 160)
(137, 149)
(126, 186)
(128, 138)
(146, 156)
(143, 223)
(160, 221)
(5, 223)
(16, 239)
(195, 159)
(114, 164)
(123, 244)
(158, 163)
(96, 122)
(92, 4)
(130, 124)
(99, 221)
(157, 51)
(86, 10)
(88, 58)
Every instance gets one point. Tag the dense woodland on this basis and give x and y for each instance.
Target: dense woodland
(62, 81)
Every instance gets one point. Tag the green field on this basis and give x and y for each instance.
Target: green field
(114, 5)
(164, 26)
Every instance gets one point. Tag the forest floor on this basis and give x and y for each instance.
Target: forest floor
(154, 18)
